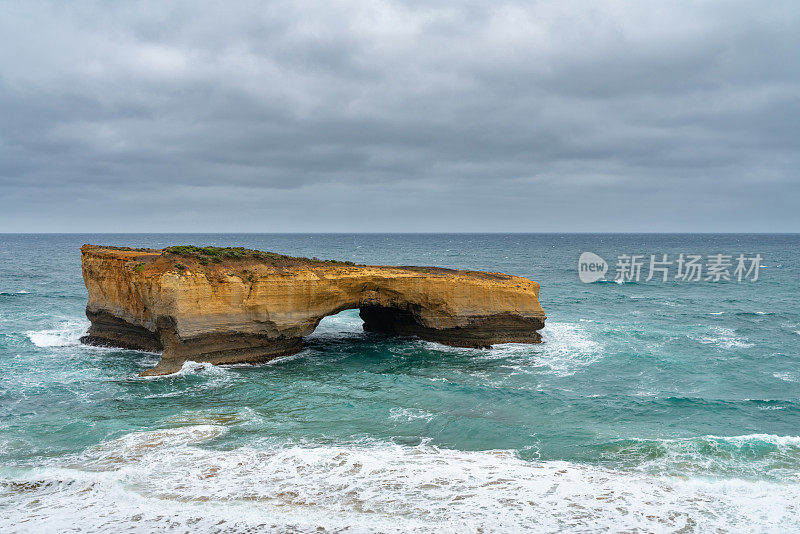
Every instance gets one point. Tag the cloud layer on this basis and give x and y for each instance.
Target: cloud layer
(400, 116)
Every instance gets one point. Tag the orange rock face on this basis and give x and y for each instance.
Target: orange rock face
(257, 306)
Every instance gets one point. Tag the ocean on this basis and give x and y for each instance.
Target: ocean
(651, 406)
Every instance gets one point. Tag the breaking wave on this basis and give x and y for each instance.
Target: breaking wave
(567, 348)
(754, 456)
(66, 334)
(161, 479)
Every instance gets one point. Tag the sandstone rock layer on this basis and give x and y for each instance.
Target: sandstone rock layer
(236, 305)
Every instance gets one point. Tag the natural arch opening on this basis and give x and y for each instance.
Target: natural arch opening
(374, 319)
(343, 324)
(400, 321)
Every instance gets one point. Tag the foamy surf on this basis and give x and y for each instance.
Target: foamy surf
(190, 367)
(167, 479)
(787, 377)
(752, 456)
(567, 348)
(410, 414)
(723, 337)
(65, 334)
(215, 375)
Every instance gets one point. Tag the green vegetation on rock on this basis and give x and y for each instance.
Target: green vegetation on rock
(204, 255)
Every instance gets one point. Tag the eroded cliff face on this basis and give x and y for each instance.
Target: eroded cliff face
(248, 306)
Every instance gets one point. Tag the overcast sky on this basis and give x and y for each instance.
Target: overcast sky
(419, 116)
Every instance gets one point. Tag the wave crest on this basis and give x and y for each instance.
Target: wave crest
(145, 481)
(66, 334)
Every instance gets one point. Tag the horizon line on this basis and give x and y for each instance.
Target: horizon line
(403, 233)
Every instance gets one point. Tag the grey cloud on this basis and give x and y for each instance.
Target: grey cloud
(393, 116)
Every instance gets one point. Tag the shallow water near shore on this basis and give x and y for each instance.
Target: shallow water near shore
(657, 406)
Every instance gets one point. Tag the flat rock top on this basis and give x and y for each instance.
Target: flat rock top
(216, 260)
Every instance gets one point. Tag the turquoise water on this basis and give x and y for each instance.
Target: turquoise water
(654, 406)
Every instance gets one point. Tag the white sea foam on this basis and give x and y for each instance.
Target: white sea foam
(217, 374)
(190, 367)
(750, 455)
(410, 414)
(244, 416)
(134, 447)
(780, 441)
(787, 377)
(723, 337)
(152, 481)
(65, 334)
(567, 348)
(285, 359)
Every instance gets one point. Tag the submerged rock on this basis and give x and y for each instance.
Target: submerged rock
(233, 305)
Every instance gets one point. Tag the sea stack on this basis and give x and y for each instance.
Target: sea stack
(233, 305)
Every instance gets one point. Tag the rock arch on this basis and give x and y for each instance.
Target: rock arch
(255, 306)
